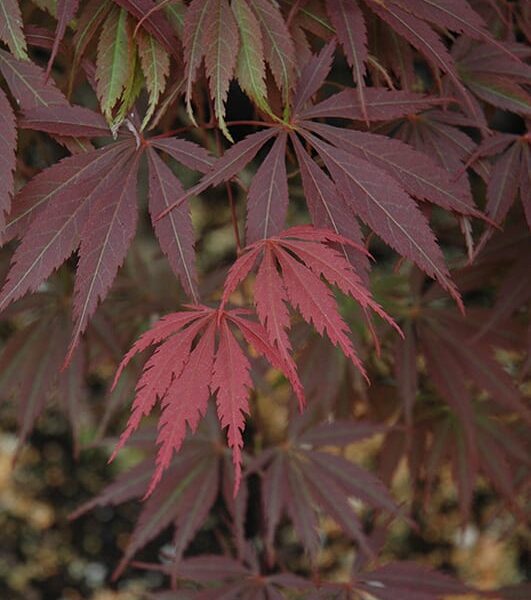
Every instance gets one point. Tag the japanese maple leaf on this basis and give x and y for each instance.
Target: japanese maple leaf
(198, 356)
(30, 364)
(509, 179)
(369, 176)
(235, 579)
(439, 438)
(155, 22)
(11, 28)
(88, 202)
(127, 56)
(417, 23)
(236, 39)
(436, 133)
(8, 139)
(401, 580)
(185, 496)
(300, 479)
(493, 75)
(66, 11)
(460, 360)
(292, 265)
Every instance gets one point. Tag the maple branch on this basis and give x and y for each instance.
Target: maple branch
(234, 217)
(148, 14)
(296, 6)
(186, 128)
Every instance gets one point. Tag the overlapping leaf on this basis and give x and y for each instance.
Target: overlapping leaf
(154, 21)
(376, 185)
(183, 377)
(175, 234)
(155, 65)
(460, 360)
(509, 179)
(66, 11)
(8, 140)
(301, 480)
(349, 23)
(494, 76)
(237, 40)
(26, 83)
(221, 576)
(405, 580)
(30, 363)
(11, 31)
(303, 256)
(86, 201)
(250, 68)
(183, 499)
(435, 133)
(116, 61)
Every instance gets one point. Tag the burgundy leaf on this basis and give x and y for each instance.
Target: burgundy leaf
(66, 193)
(409, 581)
(328, 208)
(166, 503)
(380, 104)
(340, 433)
(127, 486)
(175, 232)
(414, 171)
(226, 167)
(503, 184)
(61, 178)
(231, 384)
(74, 121)
(193, 34)
(35, 348)
(187, 153)
(278, 44)
(155, 23)
(313, 76)
(349, 23)
(456, 15)
(387, 209)
(105, 240)
(267, 202)
(257, 336)
(66, 11)
(177, 410)
(27, 84)
(195, 506)
(316, 304)
(301, 505)
(166, 364)
(8, 143)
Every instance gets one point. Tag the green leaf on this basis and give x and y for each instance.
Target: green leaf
(113, 61)
(175, 15)
(499, 91)
(250, 69)
(155, 63)
(11, 31)
(195, 19)
(133, 87)
(88, 24)
(278, 44)
(49, 6)
(221, 42)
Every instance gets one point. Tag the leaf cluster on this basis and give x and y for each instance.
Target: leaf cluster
(377, 200)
